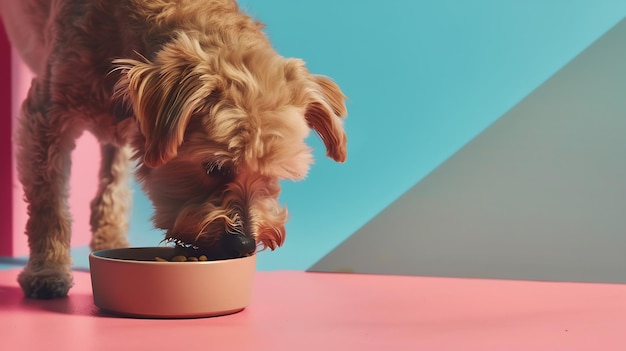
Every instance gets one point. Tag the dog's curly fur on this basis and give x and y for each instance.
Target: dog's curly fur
(190, 89)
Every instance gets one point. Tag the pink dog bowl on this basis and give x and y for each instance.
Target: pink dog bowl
(131, 282)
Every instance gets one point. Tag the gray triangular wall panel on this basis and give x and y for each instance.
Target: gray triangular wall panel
(539, 195)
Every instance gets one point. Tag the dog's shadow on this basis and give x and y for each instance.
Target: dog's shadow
(12, 300)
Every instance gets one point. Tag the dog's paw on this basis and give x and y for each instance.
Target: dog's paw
(45, 283)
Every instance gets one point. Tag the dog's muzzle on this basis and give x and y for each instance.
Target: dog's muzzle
(237, 245)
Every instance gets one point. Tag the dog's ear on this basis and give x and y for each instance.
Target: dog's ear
(163, 97)
(324, 115)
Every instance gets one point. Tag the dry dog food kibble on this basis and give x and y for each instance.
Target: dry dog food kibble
(185, 254)
(181, 258)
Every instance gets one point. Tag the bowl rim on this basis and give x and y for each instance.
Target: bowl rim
(98, 255)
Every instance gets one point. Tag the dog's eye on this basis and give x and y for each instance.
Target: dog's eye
(218, 168)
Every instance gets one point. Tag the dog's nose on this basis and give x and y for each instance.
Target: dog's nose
(238, 245)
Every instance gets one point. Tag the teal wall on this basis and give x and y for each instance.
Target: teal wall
(423, 79)
(538, 195)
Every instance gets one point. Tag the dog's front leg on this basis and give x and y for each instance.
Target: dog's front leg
(109, 209)
(45, 141)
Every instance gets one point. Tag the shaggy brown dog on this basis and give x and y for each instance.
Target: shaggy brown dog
(191, 89)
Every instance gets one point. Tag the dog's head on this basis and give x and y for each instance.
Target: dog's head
(218, 131)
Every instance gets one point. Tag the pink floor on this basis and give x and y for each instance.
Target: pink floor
(320, 311)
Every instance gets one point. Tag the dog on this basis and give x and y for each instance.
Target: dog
(190, 96)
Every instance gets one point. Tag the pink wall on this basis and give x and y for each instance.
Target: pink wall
(14, 82)
(6, 200)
